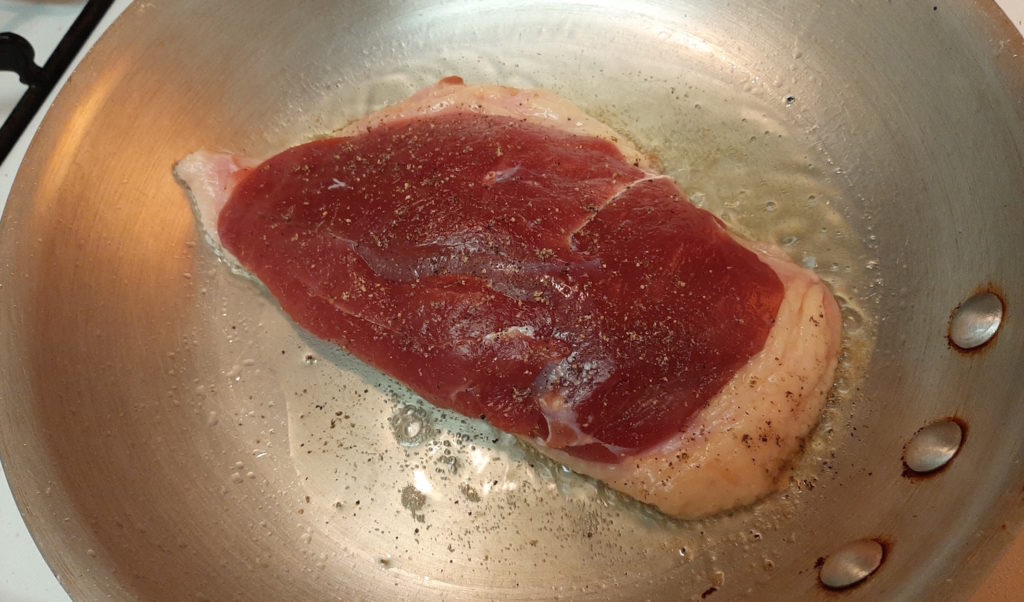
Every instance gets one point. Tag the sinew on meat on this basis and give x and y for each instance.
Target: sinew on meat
(507, 256)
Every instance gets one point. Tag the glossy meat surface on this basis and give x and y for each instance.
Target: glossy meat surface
(509, 271)
(523, 269)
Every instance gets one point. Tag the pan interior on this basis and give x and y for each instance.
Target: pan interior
(201, 446)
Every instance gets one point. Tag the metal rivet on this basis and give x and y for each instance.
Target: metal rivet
(976, 321)
(851, 564)
(933, 446)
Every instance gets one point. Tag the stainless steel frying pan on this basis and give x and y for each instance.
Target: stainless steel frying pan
(170, 435)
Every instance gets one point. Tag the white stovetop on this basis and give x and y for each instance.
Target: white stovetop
(24, 575)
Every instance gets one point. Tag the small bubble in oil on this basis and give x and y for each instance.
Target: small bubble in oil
(411, 426)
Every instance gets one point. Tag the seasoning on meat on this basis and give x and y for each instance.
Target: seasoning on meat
(500, 260)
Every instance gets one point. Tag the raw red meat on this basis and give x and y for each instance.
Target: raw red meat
(523, 274)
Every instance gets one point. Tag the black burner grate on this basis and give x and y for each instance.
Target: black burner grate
(17, 55)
